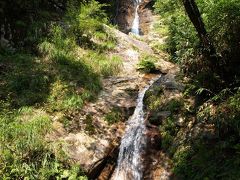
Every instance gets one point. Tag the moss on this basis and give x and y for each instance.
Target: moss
(168, 130)
(153, 98)
(174, 105)
(89, 124)
(113, 116)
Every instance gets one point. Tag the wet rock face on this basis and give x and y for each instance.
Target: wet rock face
(125, 15)
(126, 11)
(145, 15)
(158, 164)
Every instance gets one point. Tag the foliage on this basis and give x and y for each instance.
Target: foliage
(146, 64)
(181, 35)
(51, 65)
(222, 24)
(86, 24)
(24, 152)
(113, 116)
(192, 163)
(89, 124)
(28, 22)
(168, 131)
(212, 151)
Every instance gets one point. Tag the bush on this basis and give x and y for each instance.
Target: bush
(213, 151)
(66, 74)
(146, 66)
(174, 105)
(86, 24)
(168, 130)
(24, 151)
(113, 116)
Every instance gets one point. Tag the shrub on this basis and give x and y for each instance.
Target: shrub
(89, 124)
(113, 116)
(168, 131)
(146, 66)
(174, 105)
(24, 151)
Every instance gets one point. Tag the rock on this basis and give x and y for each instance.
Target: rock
(180, 121)
(145, 14)
(156, 118)
(104, 168)
(127, 42)
(125, 15)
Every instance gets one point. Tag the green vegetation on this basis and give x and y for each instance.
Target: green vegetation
(113, 116)
(54, 54)
(24, 151)
(51, 65)
(168, 131)
(146, 64)
(89, 124)
(162, 31)
(208, 57)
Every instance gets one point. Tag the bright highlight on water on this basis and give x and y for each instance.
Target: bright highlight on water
(135, 26)
(133, 144)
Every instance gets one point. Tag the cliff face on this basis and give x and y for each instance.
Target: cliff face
(125, 15)
(145, 14)
(126, 11)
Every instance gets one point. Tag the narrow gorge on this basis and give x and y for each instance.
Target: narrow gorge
(132, 160)
(119, 89)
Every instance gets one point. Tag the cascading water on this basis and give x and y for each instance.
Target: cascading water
(129, 165)
(135, 26)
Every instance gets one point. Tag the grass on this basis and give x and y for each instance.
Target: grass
(63, 73)
(206, 154)
(89, 124)
(147, 64)
(32, 89)
(113, 116)
(162, 30)
(24, 81)
(35, 88)
(104, 65)
(24, 149)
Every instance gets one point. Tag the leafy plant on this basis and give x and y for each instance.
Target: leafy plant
(146, 66)
(113, 116)
(89, 124)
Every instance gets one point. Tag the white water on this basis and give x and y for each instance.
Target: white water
(135, 26)
(133, 144)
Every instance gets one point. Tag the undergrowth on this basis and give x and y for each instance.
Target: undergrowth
(58, 75)
(205, 145)
(147, 64)
(24, 151)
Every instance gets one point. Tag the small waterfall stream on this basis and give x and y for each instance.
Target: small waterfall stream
(135, 25)
(133, 144)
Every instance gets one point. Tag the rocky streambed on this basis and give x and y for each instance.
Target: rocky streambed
(90, 140)
(126, 11)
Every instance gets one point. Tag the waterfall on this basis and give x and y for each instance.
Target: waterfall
(135, 26)
(133, 144)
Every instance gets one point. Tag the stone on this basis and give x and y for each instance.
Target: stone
(180, 121)
(95, 152)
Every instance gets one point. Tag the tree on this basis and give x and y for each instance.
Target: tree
(194, 15)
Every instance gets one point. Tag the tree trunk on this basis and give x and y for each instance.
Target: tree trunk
(195, 17)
